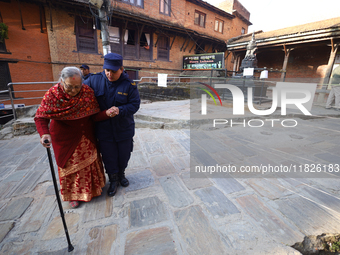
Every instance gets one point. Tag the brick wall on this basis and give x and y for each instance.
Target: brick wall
(151, 9)
(226, 5)
(209, 28)
(29, 47)
(305, 64)
(241, 10)
(63, 44)
(236, 24)
(63, 40)
(183, 14)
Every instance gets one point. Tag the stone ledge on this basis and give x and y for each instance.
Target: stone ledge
(24, 126)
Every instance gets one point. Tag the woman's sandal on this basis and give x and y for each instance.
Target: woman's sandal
(74, 204)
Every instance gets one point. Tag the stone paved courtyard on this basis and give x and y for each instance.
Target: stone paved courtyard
(164, 211)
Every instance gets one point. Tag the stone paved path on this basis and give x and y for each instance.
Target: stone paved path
(164, 211)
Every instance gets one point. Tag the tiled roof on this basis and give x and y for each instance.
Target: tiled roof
(295, 30)
(82, 1)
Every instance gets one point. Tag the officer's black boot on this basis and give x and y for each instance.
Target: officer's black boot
(123, 181)
(114, 183)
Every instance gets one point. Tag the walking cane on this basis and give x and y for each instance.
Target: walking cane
(70, 247)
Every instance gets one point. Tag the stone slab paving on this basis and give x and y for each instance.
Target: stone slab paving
(5, 228)
(164, 210)
(150, 241)
(267, 219)
(197, 233)
(102, 210)
(140, 180)
(216, 202)
(309, 217)
(15, 208)
(176, 192)
(102, 239)
(146, 211)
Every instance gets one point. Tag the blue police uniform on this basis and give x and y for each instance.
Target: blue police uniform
(87, 76)
(115, 135)
(85, 67)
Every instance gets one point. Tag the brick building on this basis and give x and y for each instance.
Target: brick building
(25, 55)
(153, 36)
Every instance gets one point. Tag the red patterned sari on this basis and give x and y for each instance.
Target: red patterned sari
(83, 175)
(80, 168)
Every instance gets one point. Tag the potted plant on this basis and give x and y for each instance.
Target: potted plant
(3, 31)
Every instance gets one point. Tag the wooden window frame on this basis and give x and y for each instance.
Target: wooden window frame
(128, 45)
(3, 47)
(220, 26)
(5, 78)
(200, 15)
(86, 38)
(161, 49)
(134, 3)
(162, 4)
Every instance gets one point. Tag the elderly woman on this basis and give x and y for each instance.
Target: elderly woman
(72, 108)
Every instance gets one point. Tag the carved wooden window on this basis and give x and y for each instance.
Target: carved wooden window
(163, 48)
(3, 47)
(125, 42)
(115, 44)
(86, 35)
(130, 44)
(5, 77)
(145, 48)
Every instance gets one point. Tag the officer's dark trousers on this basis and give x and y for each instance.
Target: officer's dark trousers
(115, 155)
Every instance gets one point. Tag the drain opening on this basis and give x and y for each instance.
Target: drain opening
(325, 244)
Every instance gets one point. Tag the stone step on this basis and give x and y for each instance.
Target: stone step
(149, 124)
(146, 121)
(26, 126)
(152, 118)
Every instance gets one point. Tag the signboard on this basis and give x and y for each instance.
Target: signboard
(162, 77)
(206, 61)
(9, 106)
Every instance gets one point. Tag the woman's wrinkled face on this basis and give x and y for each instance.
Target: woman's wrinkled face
(113, 75)
(72, 85)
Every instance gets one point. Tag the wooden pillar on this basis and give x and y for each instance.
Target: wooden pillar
(329, 69)
(236, 63)
(285, 62)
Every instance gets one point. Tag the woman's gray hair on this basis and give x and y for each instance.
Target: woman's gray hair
(70, 71)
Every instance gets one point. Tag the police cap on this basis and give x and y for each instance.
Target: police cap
(113, 61)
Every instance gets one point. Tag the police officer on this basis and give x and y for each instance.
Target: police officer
(85, 70)
(113, 88)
